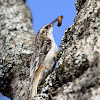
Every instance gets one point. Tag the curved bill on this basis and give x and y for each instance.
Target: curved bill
(53, 22)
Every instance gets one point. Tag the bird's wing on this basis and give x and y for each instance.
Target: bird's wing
(42, 48)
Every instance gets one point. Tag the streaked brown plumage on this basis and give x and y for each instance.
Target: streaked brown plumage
(44, 59)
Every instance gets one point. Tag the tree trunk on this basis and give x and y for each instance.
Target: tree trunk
(16, 48)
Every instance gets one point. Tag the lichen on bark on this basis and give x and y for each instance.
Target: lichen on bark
(16, 47)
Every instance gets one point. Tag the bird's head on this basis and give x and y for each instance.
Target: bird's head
(47, 30)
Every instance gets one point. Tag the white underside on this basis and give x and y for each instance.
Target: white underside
(52, 52)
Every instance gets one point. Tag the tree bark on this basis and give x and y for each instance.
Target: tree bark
(16, 48)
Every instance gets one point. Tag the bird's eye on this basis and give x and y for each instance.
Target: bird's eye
(46, 27)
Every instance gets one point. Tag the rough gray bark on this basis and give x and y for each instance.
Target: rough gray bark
(77, 76)
(16, 47)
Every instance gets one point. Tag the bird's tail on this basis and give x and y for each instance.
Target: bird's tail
(34, 89)
(37, 79)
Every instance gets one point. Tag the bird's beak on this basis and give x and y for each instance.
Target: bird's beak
(52, 24)
(59, 19)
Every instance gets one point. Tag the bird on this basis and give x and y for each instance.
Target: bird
(43, 60)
